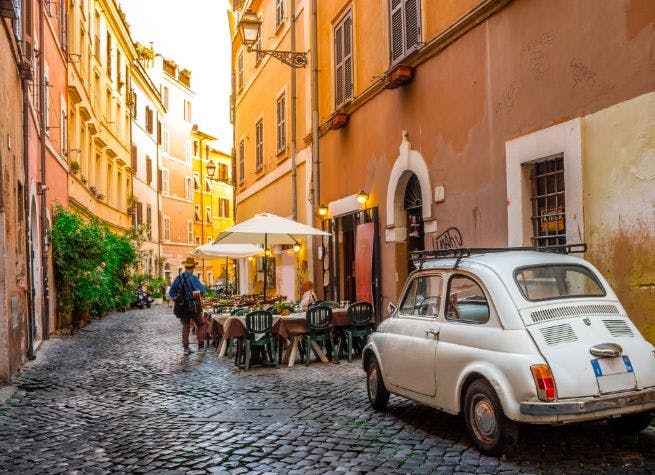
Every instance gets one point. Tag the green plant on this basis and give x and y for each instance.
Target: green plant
(74, 167)
(92, 265)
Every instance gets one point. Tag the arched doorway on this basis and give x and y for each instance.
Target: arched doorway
(413, 205)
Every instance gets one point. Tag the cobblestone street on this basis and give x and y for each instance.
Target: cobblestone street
(120, 396)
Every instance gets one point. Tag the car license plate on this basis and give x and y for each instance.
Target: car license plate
(608, 366)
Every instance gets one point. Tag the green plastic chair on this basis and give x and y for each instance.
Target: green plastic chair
(241, 312)
(328, 303)
(359, 319)
(259, 325)
(319, 319)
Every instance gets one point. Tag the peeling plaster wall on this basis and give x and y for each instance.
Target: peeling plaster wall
(619, 202)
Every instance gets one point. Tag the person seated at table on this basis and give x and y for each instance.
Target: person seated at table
(308, 296)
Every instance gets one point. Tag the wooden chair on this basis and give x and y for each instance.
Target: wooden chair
(259, 325)
(319, 319)
(359, 319)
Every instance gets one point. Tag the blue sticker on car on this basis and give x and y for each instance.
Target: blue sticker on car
(628, 365)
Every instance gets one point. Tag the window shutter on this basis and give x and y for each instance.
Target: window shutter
(149, 169)
(397, 47)
(348, 58)
(412, 24)
(134, 160)
(139, 212)
(338, 61)
(159, 181)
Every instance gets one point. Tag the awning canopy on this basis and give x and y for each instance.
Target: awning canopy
(267, 228)
(230, 251)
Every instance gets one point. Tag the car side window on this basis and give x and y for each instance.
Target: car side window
(423, 297)
(466, 300)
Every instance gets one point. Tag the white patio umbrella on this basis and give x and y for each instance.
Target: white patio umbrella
(228, 251)
(268, 229)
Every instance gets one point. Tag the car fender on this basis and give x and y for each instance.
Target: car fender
(371, 351)
(498, 380)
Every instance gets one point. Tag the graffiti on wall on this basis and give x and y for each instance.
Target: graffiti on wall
(451, 238)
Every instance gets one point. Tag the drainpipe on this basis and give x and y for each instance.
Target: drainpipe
(26, 213)
(294, 189)
(160, 267)
(43, 187)
(314, 100)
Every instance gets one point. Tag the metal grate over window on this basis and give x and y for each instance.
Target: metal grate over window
(548, 204)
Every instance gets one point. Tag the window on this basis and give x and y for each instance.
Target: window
(164, 140)
(281, 124)
(149, 121)
(196, 209)
(187, 151)
(188, 188)
(167, 228)
(195, 148)
(46, 106)
(149, 220)
(405, 28)
(189, 231)
(63, 129)
(548, 218)
(164, 182)
(279, 12)
(209, 241)
(134, 105)
(549, 282)
(259, 145)
(242, 163)
(148, 169)
(240, 71)
(423, 297)
(196, 181)
(343, 60)
(135, 161)
(187, 110)
(223, 208)
(108, 55)
(208, 185)
(198, 244)
(222, 172)
(466, 300)
(139, 212)
(19, 18)
(165, 96)
(208, 214)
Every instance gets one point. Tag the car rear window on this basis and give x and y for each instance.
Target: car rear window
(557, 281)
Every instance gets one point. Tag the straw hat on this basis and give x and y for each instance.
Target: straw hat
(189, 262)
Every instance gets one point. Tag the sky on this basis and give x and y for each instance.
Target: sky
(195, 34)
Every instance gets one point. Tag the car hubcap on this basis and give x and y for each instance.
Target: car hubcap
(483, 420)
(373, 381)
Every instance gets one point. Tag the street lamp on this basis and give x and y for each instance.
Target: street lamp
(323, 210)
(211, 171)
(249, 27)
(362, 197)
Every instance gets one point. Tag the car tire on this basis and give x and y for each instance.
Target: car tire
(632, 423)
(486, 423)
(378, 395)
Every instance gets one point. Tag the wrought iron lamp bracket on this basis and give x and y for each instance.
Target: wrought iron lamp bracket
(291, 58)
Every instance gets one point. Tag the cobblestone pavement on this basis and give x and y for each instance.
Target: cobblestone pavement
(120, 396)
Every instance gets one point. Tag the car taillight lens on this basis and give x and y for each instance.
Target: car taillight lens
(544, 381)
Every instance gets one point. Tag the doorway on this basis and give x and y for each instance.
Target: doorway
(413, 206)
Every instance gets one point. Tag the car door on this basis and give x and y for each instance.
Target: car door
(413, 335)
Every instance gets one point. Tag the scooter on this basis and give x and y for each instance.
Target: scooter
(142, 299)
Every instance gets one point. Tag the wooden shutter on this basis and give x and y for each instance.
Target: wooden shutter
(149, 169)
(134, 159)
(396, 20)
(139, 212)
(412, 24)
(338, 63)
(149, 221)
(348, 57)
(159, 181)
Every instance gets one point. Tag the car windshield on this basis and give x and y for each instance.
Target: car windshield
(556, 281)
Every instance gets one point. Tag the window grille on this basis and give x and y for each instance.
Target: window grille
(279, 12)
(242, 163)
(240, 71)
(548, 202)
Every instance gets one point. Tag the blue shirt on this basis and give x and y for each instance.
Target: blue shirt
(193, 283)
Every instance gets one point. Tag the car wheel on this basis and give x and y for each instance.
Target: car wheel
(486, 423)
(632, 423)
(378, 395)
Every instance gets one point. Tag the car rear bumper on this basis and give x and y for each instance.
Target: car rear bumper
(645, 399)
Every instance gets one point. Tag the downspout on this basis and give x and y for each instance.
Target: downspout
(314, 99)
(294, 189)
(26, 205)
(43, 185)
(160, 267)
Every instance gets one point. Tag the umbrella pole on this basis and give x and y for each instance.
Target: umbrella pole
(226, 281)
(265, 264)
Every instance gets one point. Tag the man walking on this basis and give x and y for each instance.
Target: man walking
(185, 307)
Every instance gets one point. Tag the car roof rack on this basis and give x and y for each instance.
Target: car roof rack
(419, 257)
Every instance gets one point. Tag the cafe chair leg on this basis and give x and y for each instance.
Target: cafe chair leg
(335, 350)
(349, 338)
(308, 350)
(246, 362)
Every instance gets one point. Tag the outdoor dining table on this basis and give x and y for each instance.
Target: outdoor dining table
(290, 328)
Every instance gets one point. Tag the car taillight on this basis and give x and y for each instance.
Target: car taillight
(544, 381)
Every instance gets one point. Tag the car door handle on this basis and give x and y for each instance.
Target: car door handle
(432, 332)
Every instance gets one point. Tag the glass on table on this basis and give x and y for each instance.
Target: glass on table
(345, 303)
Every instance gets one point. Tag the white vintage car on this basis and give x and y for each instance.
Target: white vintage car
(509, 337)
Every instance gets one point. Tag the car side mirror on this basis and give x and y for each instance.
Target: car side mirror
(392, 308)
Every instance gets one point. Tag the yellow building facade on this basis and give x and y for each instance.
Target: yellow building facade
(101, 52)
(265, 106)
(213, 203)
